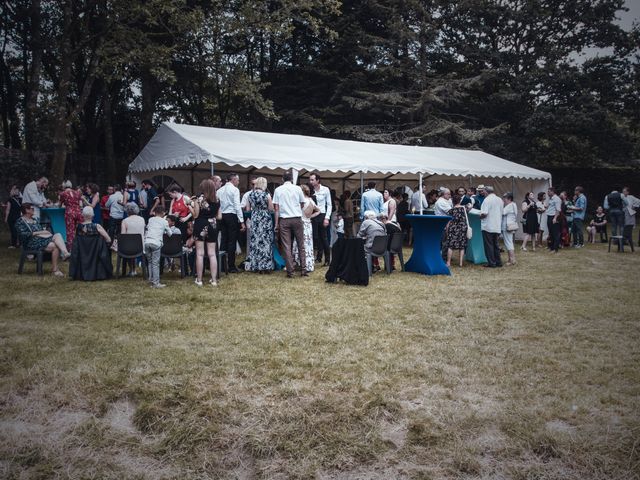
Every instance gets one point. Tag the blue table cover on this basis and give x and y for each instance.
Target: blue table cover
(427, 234)
(55, 216)
(475, 246)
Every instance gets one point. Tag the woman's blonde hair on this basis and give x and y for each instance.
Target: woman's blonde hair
(305, 190)
(261, 183)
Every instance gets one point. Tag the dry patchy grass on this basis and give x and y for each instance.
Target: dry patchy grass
(529, 372)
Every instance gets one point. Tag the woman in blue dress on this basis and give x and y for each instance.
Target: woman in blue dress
(261, 233)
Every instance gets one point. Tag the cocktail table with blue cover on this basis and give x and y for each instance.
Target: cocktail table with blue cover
(427, 235)
(55, 216)
(475, 246)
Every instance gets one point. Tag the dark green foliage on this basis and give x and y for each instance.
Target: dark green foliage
(506, 76)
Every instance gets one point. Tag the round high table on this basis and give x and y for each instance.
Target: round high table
(475, 246)
(55, 216)
(427, 234)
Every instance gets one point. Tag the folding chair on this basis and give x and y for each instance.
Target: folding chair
(379, 249)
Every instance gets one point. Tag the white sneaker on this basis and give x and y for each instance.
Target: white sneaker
(213, 283)
(158, 285)
(57, 273)
(198, 283)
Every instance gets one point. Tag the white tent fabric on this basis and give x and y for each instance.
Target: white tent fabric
(178, 146)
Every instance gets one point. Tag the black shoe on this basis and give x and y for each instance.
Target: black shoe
(304, 273)
(289, 275)
(234, 270)
(326, 264)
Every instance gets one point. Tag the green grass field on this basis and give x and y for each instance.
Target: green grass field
(526, 372)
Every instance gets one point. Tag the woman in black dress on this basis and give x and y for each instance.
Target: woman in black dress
(531, 225)
(12, 213)
(206, 211)
(456, 230)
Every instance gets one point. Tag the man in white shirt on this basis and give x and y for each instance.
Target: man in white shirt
(418, 198)
(491, 225)
(444, 203)
(553, 222)
(232, 222)
(288, 201)
(115, 204)
(33, 193)
(320, 222)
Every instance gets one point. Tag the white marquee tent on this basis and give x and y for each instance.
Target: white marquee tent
(186, 154)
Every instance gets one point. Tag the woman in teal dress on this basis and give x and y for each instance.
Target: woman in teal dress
(35, 238)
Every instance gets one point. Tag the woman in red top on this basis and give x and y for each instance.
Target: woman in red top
(71, 200)
(180, 207)
(103, 202)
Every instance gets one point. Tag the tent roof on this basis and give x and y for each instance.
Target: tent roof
(177, 146)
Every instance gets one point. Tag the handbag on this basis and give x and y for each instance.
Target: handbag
(512, 227)
(469, 229)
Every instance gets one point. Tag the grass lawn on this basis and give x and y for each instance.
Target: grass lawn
(525, 372)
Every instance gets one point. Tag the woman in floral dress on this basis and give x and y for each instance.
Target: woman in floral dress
(71, 200)
(456, 231)
(261, 232)
(309, 211)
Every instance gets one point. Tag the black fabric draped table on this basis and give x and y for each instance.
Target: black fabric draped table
(348, 262)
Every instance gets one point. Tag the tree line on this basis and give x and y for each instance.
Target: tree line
(510, 77)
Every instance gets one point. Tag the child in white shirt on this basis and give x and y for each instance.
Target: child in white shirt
(156, 229)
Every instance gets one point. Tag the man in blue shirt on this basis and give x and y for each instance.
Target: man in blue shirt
(579, 209)
(371, 200)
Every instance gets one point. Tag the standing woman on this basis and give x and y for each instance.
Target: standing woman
(93, 201)
(456, 230)
(309, 211)
(261, 232)
(347, 206)
(531, 224)
(12, 213)
(390, 206)
(541, 208)
(509, 226)
(206, 211)
(72, 201)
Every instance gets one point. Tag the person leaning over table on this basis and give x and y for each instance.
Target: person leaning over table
(35, 238)
(33, 194)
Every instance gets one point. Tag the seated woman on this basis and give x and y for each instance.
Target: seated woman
(597, 225)
(88, 228)
(35, 238)
(90, 256)
(370, 228)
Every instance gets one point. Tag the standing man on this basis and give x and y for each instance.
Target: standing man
(579, 209)
(115, 204)
(152, 199)
(479, 197)
(419, 198)
(613, 205)
(491, 226)
(217, 181)
(33, 193)
(631, 206)
(321, 222)
(232, 218)
(553, 221)
(371, 200)
(288, 201)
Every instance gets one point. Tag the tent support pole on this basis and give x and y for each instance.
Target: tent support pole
(361, 183)
(420, 190)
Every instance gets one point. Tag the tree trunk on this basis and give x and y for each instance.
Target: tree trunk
(9, 115)
(33, 86)
(107, 119)
(148, 83)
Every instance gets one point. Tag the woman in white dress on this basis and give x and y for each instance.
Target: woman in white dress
(541, 207)
(390, 205)
(309, 211)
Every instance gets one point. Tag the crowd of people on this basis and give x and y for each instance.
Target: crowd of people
(304, 220)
